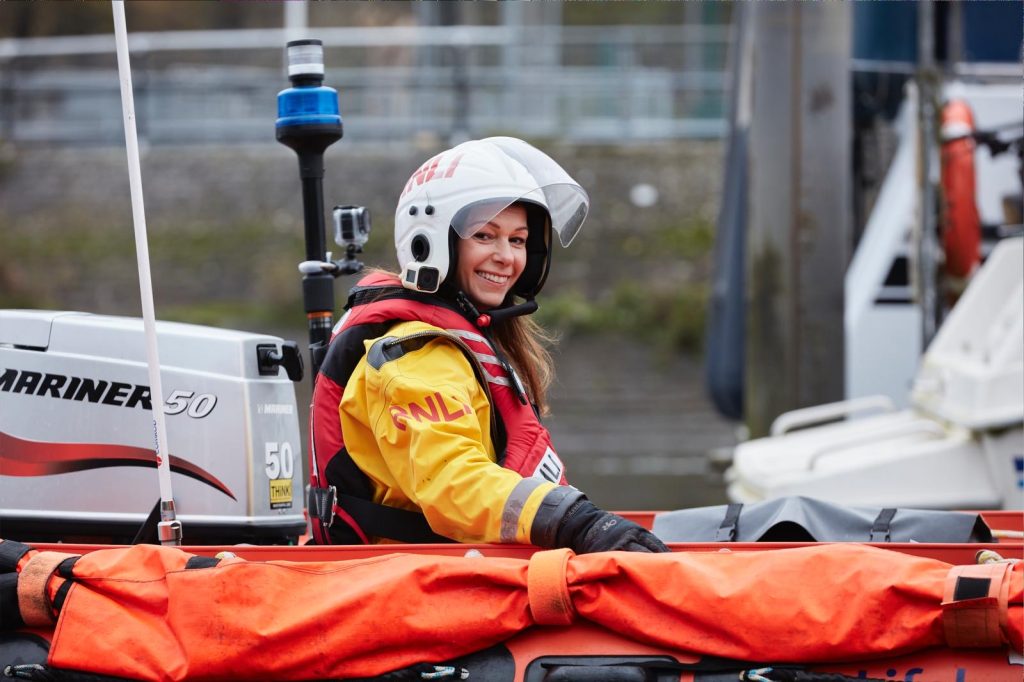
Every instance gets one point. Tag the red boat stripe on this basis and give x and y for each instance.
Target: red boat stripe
(20, 457)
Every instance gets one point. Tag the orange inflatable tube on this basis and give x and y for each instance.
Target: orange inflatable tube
(142, 613)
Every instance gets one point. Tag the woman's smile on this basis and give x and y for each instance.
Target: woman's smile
(496, 279)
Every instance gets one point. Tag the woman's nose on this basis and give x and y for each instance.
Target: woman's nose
(502, 250)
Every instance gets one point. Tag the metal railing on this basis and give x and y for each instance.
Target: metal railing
(585, 84)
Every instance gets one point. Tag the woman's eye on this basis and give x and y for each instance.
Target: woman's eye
(517, 241)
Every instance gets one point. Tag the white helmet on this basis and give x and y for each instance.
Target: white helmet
(493, 172)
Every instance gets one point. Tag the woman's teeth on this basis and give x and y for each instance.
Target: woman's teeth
(497, 279)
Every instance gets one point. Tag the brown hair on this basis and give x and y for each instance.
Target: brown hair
(526, 344)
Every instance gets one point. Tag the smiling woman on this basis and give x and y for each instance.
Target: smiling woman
(426, 412)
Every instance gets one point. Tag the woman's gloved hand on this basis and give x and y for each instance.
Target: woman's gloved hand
(586, 528)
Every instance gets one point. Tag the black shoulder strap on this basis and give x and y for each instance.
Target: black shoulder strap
(346, 350)
(362, 295)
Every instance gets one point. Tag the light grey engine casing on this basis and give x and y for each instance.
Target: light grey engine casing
(77, 451)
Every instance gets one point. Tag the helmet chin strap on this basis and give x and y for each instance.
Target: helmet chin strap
(483, 320)
(527, 307)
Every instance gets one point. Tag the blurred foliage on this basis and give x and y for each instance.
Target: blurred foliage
(235, 269)
(243, 276)
(245, 315)
(12, 296)
(689, 241)
(671, 319)
(658, 290)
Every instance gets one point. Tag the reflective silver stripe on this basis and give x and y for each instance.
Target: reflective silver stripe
(470, 336)
(482, 357)
(514, 507)
(490, 359)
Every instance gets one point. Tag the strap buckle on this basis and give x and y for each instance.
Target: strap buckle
(321, 503)
(881, 529)
(727, 530)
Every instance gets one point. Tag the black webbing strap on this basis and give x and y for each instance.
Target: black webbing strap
(881, 528)
(10, 554)
(10, 614)
(727, 531)
(65, 569)
(389, 522)
(62, 594)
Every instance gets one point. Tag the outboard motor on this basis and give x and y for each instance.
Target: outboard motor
(76, 430)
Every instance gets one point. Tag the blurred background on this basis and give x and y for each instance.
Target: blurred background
(733, 154)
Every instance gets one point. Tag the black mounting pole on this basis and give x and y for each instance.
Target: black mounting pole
(308, 122)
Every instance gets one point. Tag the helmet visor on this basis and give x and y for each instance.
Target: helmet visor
(551, 188)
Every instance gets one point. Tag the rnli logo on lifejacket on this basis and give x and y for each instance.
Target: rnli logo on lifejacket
(434, 409)
(550, 467)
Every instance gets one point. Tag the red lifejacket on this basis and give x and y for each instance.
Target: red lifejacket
(376, 304)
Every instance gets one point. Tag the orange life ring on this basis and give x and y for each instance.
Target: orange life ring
(961, 226)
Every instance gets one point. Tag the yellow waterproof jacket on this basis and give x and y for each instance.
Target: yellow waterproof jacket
(417, 423)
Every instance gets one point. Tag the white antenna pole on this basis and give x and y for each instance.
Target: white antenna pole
(169, 528)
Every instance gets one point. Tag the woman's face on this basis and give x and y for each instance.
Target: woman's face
(492, 259)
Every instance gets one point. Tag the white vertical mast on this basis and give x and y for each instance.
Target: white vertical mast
(169, 528)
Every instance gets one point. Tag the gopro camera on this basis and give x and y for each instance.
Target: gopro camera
(351, 227)
(422, 277)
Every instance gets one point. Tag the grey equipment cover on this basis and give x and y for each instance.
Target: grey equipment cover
(804, 519)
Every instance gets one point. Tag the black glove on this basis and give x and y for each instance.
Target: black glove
(586, 528)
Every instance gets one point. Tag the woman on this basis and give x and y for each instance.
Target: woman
(425, 422)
